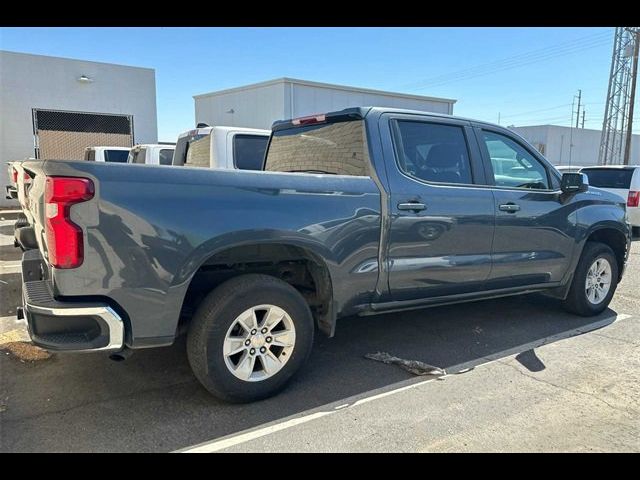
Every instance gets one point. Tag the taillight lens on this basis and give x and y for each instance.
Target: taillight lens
(64, 238)
(633, 199)
(15, 176)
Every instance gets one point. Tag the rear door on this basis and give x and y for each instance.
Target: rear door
(442, 218)
(535, 225)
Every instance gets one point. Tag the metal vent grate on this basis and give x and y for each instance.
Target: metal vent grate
(82, 122)
(66, 135)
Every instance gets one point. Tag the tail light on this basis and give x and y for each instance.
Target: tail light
(633, 199)
(64, 238)
(15, 176)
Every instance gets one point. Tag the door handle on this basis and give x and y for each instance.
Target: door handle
(509, 207)
(413, 206)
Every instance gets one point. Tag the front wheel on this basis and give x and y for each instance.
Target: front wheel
(248, 337)
(594, 281)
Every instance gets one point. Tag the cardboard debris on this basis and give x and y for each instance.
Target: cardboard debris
(412, 366)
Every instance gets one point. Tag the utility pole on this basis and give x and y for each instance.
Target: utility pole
(632, 99)
(583, 113)
(573, 102)
(578, 115)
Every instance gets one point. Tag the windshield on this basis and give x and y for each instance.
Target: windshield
(339, 148)
(119, 156)
(193, 150)
(609, 177)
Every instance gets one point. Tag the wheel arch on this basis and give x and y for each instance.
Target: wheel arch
(615, 239)
(306, 267)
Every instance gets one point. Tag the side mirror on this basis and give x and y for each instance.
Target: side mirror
(574, 183)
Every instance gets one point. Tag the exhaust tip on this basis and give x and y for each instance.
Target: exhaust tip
(120, 356)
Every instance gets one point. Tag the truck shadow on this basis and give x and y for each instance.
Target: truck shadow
(152, 402)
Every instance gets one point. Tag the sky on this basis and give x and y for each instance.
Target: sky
(514, 76)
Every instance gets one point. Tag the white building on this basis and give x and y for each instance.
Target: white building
(570, 146)
(260, 104)
(55, 107)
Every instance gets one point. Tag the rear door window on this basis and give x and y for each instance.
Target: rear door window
(433, 152)
(248, 151)
(609, 177)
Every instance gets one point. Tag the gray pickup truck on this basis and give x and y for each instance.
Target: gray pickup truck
(357, 212)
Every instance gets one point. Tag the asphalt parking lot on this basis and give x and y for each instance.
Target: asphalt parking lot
(532, 378)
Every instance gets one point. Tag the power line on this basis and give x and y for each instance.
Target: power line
(536, 111)
(517, 61)
(520, 56)
(513, 66)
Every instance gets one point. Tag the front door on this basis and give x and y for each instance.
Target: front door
(442, 220)
(535, 227)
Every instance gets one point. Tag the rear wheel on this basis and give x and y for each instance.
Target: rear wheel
(248, 337)
(594, 281)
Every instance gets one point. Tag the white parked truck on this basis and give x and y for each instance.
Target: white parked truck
(152, 154)
(106, 154)
(222, 147)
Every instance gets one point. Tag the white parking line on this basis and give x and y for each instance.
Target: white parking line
(8, 212)
(9, 267)
(246, 436)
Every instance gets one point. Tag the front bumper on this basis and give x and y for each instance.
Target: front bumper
(64, 325)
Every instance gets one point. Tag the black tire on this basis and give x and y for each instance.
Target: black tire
(577, 301)
(214, 317)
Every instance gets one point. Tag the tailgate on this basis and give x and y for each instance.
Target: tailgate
(30, 185)
(621, 192)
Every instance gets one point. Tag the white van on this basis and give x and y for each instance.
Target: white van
(222, 147)
(623, 180)
(106, 154)
(152, 154)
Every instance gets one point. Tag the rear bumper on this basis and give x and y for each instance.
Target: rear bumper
(65, 325)
(12, 192)
(633, 214)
